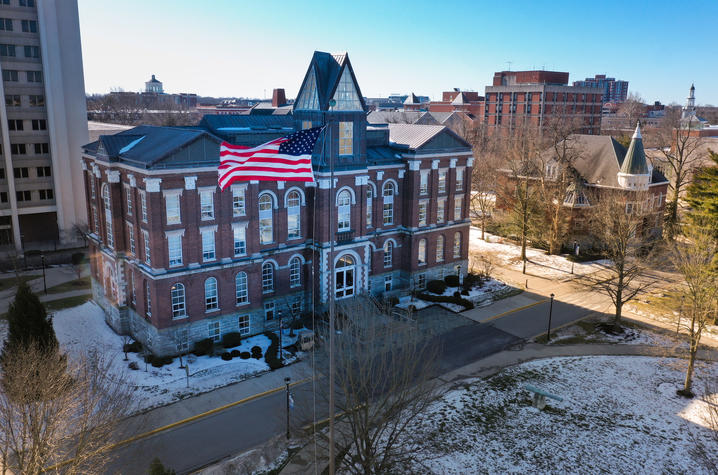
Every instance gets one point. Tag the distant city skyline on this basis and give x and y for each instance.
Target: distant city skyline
(232, 48)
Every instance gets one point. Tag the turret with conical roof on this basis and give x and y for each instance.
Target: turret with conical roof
(635, 173)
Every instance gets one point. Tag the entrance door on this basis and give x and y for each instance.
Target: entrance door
(344, 277)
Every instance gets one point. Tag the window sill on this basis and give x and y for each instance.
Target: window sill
(293, 238)
(242, 304)
(214, 259)
(175, 265)
(266, 292)
(212, 310)
(207, 219)
(240, 255)
(181, 317)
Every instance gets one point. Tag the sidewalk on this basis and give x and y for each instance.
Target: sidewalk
(53, 276)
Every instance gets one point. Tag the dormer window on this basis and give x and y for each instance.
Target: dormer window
(346, 94)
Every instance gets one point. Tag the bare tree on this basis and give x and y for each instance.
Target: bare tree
(680, 148)
(618, 222)
(521, 191)
(633, 108)
(557, 172)
(695, 260)
(55, 415)
(484, 173)
(383, 372)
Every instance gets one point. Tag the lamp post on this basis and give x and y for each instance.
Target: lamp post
(286, 383)
(550, 312)
(44, 282)
(281, 325)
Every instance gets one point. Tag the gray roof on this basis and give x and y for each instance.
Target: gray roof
(228, 126)
(329, 68)
(414, 136)
(635, 163)
(601, 158)
(460, 99)
(411, 99)
(147, 145)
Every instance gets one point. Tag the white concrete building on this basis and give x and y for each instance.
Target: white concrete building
(43, 124)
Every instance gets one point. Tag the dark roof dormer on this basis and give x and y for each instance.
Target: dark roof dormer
(330, 77)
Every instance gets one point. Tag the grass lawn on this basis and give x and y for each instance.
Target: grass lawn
(77, 284)
(10, 282)
(67, 302)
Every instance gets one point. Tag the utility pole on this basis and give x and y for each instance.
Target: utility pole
(286, 383)
(332, 290)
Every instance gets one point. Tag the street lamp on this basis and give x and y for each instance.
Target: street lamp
(286, 383)
(44, 282)
(550, 312)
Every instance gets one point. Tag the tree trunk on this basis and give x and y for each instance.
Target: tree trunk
(483, 226)
(689, 372)
(672, 217)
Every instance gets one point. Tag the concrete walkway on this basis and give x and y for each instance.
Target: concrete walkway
(53, 276)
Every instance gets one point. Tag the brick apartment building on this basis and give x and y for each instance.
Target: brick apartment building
(533, 97)
(175, 260)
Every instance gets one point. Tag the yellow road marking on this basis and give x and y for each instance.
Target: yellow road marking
(185, 421)
(508, 312)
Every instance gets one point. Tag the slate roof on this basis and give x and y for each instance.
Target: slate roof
(634, 162)
(153, 144)
(601, 160)
(228, 126)
(402, 117)
(329, 68)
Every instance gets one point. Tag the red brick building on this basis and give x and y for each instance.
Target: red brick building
(175, 260)
(533, 97)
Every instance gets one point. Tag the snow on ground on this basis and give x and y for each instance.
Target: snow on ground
(83, 328)
(480, 296)
(540, 263)
(592, 332)
(619, 414)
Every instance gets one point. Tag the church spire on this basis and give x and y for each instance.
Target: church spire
(634, 172)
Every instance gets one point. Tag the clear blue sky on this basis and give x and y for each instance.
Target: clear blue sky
(243, 48)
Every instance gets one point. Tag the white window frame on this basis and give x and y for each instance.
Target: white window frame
(424, 182)
(244, 323)
(423, 207)
(206, 204)
(214, 331)
(128, 195)
(266, 219)
(369, 206)
(143, 205)
(174, 249)
(346, 138)
(209, 245)
(211, 294)
(241, 288)
(388, 281)
(179, 307)
(440, 245)
(458, 207)
(295, 272)
(131, 238)
(442, 180)
(239, 204)
(344, 211)
(388, 207)
(421, 252)
(294, 215)
(267, 278)
(239, 240)
(146, 239)
(459, 178)
(457, 245)
(148, 299)
(388, 253)
(173, 211)
(441, 211)
(107, 202)
(421, 281)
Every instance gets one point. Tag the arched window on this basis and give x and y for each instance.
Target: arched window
(388, 194)
(266, 229)
(344, 277)
(108, 214)
(267, 277)
(210, 294)
(178, 303)
(422, 251)
(369, 205)
(457, 244)
(388, 253)
(241, 288)
(440, 248)
(295, 272)
(344, 201)
(294, 202)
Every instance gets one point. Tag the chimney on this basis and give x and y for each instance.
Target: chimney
(278, 98)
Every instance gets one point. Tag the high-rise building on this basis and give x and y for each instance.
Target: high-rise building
(533, 97)
(613, 90)
(43, 123)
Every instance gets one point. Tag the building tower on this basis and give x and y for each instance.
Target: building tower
(635, 174)
(154, 86)
(43, 125)
(690, 108)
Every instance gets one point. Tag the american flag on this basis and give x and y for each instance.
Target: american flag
(284, 159)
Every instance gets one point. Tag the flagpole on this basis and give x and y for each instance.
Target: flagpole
(332, 290)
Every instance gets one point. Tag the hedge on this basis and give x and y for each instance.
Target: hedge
(270, 356)
(467, 304)
(436, 286)
(452, 280)
(204, 347)
(231, 339)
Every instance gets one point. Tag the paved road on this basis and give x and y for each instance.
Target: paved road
(191, 446)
